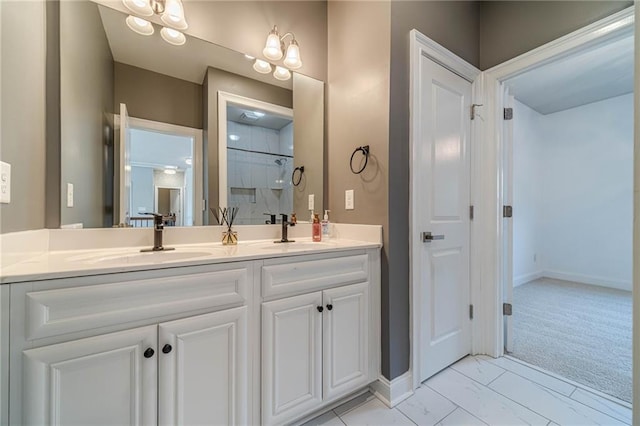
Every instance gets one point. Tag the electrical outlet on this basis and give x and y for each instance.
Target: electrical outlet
(5, 183)
(69, 195)
(312, 202)
(348, 199)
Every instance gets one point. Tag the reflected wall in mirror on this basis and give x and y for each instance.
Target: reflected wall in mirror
(120, 171)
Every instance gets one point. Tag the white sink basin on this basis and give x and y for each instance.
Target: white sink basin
(296, 245)
(110, 258)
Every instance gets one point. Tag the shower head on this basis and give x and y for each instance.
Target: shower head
(281, 161)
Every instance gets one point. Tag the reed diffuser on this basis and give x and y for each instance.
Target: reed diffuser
(225, 217)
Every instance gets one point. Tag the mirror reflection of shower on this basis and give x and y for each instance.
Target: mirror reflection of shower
(259, 163)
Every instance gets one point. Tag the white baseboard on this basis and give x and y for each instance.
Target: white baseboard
(395, 391)
(525, 278)
(589, 279)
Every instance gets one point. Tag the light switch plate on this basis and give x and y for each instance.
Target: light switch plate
(312, 202)
(5, 182)
(348, 199)
(69, 195)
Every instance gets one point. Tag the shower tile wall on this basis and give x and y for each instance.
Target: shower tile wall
(257, 184)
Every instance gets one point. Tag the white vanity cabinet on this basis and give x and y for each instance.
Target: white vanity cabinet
(260, 341)
(128, 366)
(317, 346)
(100, 380)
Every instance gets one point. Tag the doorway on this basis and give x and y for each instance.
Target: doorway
(155, 154)
(169, 203)
(567, 160)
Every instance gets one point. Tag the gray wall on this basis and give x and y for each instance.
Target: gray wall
(308, 143)
(218, 80)
(455, 26)
(22, 126)
(510, 28)
(158, 97)
(358, 114)
(86, 104)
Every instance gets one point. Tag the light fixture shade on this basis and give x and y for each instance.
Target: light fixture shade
(292, 58)
(273, 48)
(172, 36)
(173, 15)
(139, 25)
(282, 73)
(140, 7)
(263, 67)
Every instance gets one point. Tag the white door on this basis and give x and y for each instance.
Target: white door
(103, 380)
(203, 369)
(125, 166)
(346, 339)
(291, 357)
(441, 208)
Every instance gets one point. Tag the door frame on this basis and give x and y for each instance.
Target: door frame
(224, 99)
(421, 45)
(196, 135)
(156, 189)
(494, 190)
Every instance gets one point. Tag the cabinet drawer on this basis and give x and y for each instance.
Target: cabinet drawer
(296, 277)
(58, 311)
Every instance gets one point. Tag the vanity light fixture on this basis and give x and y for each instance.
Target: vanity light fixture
(169, 171)
(274, 49)
(282, 73)
(172, 36)
(234, 137)
(171, 14)
(139, 25)
(263, 67)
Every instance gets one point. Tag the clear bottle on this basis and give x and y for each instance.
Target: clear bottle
(316, 229)
(325, 224)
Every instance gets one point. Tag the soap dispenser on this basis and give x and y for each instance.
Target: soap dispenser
(316, 229)
(325, 224)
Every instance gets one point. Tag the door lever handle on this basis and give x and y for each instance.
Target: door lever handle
(427, 237)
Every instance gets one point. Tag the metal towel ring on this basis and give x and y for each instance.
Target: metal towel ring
(293, 175)
(365, 152)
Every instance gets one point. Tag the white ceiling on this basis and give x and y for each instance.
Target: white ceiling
(598, 73)
(187, 62)
(269, 120)
(157, 150)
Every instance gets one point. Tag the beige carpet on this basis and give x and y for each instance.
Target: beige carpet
(581, 332)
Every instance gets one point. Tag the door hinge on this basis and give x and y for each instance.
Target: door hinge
(473, 110)
(471, 212)
(507, 211)
(507, 309)
(470, 311)
(508, 113)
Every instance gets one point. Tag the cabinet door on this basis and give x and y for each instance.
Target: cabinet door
(103, 380)
(346, 339)
(291, 357)
(203, 369)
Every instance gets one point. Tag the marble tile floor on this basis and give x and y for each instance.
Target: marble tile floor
(480, 390)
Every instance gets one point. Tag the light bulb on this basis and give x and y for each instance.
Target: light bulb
(139, 25)
(282, 74)
(140, 7)
(272, 48)
(263, 67)
(292, 58)
(169, 171)
(172, 36)
(173, 15)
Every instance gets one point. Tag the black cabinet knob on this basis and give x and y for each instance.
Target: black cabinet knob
(149, 353)
(329, 306)
(166, 348)
(320, 309)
